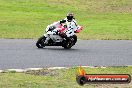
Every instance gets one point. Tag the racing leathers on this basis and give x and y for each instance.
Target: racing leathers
(71, 27)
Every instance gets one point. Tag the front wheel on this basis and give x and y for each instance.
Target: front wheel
(40, 42)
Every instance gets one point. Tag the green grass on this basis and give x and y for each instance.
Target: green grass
(64, 78)
(102, 19)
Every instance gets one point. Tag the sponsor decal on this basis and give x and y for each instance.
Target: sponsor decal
(83, 78)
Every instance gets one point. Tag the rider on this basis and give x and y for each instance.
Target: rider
(70, 23)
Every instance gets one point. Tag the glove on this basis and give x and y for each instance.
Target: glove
(62, 21)
(57, 32)
(51, 28)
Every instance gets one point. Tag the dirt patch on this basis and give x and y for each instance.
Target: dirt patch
(43, 72)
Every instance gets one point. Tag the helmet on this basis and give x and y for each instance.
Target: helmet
(70, 16)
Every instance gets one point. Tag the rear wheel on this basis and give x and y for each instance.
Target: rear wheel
(67, 44)
(40, 42)
(74, 37)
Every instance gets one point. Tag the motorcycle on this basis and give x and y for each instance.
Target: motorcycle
(58, 38)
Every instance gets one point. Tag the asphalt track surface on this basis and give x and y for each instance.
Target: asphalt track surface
(22, 53)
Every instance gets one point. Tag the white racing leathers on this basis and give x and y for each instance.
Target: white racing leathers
(71, 27)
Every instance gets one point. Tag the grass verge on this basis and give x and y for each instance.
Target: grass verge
(105, 19)
(64, 78)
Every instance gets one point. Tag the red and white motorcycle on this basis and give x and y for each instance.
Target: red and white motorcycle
(57, 37)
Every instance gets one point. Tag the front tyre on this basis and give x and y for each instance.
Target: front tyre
(40, 42)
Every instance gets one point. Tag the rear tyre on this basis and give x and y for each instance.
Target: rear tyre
(40, 42)
(67, 44)
(74, 37)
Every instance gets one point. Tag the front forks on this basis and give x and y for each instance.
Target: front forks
(47, 38)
